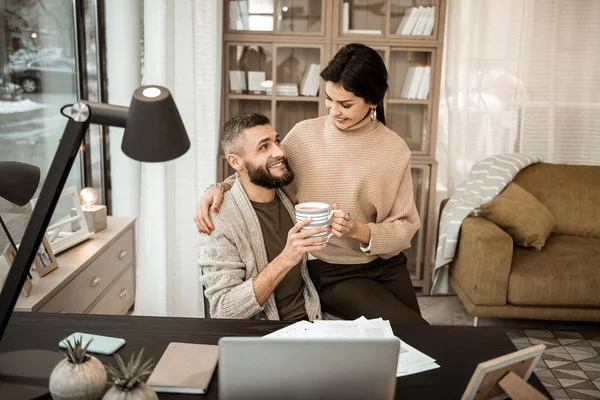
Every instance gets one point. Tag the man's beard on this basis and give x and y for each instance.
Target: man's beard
(261, 176)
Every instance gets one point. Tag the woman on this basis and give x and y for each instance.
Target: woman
(350, 159)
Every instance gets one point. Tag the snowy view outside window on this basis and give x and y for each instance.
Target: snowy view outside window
(38, 76)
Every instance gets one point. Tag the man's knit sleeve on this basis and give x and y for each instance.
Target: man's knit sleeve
(223, 274)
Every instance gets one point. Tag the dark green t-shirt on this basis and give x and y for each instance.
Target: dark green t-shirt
(275, 223)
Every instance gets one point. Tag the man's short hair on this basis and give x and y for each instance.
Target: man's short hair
(233, 129)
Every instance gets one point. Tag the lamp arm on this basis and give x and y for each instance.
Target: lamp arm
(62, 162)
(107, 114)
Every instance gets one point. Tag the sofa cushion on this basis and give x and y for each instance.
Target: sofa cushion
(521, 215)
(565, 273)
(570, 192)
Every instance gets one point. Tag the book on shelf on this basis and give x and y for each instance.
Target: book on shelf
(256, 80)
(238, 15)
(417, 21)
(345, 17)
(416, 83)
(423, 90)
(310, 81)
(237, 81)
(284, 89)
(365, 31)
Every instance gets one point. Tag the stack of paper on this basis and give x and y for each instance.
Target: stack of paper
(410, 360)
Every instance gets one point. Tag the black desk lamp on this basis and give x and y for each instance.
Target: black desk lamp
(154, 132)
(18, 183)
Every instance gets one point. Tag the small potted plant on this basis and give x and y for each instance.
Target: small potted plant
(127, 379)
(79, 375)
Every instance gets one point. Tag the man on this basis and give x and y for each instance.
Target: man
(253, 263)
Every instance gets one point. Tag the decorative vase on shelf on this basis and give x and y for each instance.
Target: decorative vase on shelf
(127, 379)
(79, 375)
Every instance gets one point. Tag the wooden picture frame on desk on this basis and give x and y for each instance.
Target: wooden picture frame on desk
(9, 254)
(506, 375)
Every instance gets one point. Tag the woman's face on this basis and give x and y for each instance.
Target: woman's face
(346, 108)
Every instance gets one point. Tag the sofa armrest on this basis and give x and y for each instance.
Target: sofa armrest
(482, 262)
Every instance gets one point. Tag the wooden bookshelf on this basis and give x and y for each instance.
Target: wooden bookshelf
(281, 38)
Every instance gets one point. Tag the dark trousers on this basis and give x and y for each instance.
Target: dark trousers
(381, 288)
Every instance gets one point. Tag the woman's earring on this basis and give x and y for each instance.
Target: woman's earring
(373, 115)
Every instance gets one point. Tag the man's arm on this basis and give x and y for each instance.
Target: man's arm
(229, 292)
(223, 273)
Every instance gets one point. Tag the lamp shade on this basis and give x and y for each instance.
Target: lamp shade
(154, 131)
(18, 181)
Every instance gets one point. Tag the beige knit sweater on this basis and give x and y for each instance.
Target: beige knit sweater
(366, 170)
(234, 254)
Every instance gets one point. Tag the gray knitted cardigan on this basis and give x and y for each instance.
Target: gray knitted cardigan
(234, 253)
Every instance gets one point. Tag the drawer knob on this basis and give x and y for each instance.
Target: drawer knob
(95, 281)
(122, 255)
(123, 293)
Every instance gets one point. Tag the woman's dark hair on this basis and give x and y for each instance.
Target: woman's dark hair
(359, 69)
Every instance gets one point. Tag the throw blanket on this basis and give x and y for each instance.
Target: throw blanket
(485, 181)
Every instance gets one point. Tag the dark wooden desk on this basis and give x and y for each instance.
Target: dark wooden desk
(457, 349)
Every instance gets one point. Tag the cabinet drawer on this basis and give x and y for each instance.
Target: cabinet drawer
(84, 289)
(119, 297)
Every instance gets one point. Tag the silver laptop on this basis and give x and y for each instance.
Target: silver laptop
(277, 368)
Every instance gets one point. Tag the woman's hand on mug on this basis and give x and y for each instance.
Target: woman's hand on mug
(342, 224)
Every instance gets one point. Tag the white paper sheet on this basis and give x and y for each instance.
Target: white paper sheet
(301, 329)
(410, 360)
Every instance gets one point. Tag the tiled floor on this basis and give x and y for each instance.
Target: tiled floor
(570, 366)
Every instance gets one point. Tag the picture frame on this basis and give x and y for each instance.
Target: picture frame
(9, 254)
(66, 230)
(484, 383)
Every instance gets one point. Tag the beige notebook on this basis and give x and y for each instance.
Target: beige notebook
(185, 368)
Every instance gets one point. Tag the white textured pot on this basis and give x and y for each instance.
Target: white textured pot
(141, 392)
(85, 381)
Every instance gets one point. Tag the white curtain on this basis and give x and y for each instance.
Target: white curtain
(480, 88)
(518, 76)
(182, 51)
(560, 118)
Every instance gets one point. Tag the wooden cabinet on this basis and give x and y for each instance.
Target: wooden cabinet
(282, 39)
(96, 277)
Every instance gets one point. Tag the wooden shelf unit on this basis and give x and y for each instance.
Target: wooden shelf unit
(296, 33)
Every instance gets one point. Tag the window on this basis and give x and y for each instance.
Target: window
(38, 76)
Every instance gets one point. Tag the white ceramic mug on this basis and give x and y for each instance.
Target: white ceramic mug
(320, 213)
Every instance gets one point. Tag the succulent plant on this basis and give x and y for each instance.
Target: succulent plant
(78, 376)
(76, 352)
(127, 377)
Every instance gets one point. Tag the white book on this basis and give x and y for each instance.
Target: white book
(423, 90)
(365, 31)
(419, 21)
(407, 82)
(310, 81)
(233, 14)
(244, 16)
(287, 90)
(430, 22)
(345, 17)
(404, 21)
(416, 81)
(412, 20)
(237, 81)
(255, 81)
